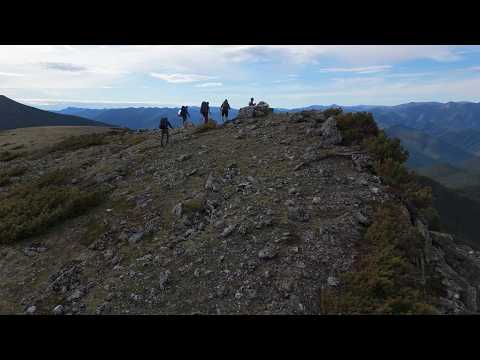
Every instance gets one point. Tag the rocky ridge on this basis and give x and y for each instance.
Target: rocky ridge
(257, 216)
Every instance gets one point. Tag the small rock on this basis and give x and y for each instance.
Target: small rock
(59, 310)
(228, 230)
(178, 210)
(77, 294)
(362, 219)
(184, 157)
(163, 280)
(316, 200)
(267, 253)
(135, 238)
(31, 310)
(332, 281)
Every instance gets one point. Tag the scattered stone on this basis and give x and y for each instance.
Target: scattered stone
(135, 238)
(362, 219)
(210, 183)
(228, 230)
(332, 281)
(31, 310)
(184, 157)
(164, 279)
(178, 210)
(59, 310)
(298, 213)
(267, 253)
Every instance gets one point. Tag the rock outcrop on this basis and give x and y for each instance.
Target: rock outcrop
(260, 110)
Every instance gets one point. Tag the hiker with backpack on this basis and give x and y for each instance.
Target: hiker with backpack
(183, 113)
(225, 107)
(205, 110)
(164, 125)
(251, 103)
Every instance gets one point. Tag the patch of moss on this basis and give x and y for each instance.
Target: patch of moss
(193, 205)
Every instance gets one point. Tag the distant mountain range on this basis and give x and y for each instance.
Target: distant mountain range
(143, 117)
(15, 115)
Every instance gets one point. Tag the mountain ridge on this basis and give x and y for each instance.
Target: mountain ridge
(16, 115)
(261, 215)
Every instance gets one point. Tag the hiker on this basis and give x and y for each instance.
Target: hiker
(164, 125)
(225, 107)
(251, 103)
(205, 110)
(184, 114)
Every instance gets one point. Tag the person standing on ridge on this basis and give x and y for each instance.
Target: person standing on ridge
(225, 107)
(164, 125)
(251, 103)
(184, 114)
(205, 110)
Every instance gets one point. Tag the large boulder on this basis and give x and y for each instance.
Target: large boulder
(260, 110)
(313, 116)
(330, 133)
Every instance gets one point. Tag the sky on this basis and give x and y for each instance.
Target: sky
(286, 76)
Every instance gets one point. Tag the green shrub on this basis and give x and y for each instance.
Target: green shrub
(390, 158)
(210, 125)
(73, 143)
(193, 205)
(8, 155)
(31, 208)
(387, 280)
(382, 147)
(5, 175)
(333, 111)
(355, 127)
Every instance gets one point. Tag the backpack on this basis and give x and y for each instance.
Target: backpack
(180, 112)
(163, 123)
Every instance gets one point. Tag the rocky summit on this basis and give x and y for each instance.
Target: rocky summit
(265, 214)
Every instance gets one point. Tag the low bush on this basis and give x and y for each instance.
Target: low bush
(387, 279)
(73, 143)
(5, 175)
(8, 155)
(356, 127)
(210, 125)
(31, 208)
(333, 111)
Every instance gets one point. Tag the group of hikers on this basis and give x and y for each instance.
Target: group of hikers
(204, 111)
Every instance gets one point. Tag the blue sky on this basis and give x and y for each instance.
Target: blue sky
(282, 75)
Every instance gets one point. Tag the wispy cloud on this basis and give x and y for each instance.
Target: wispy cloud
(64, 66)
(11, 74)
(209, 84)
(181, 78)
(357, 70)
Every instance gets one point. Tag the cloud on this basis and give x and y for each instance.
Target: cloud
(357, 70)
(11, 74)
(209, 84)
(64, 66)
(181, 78)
